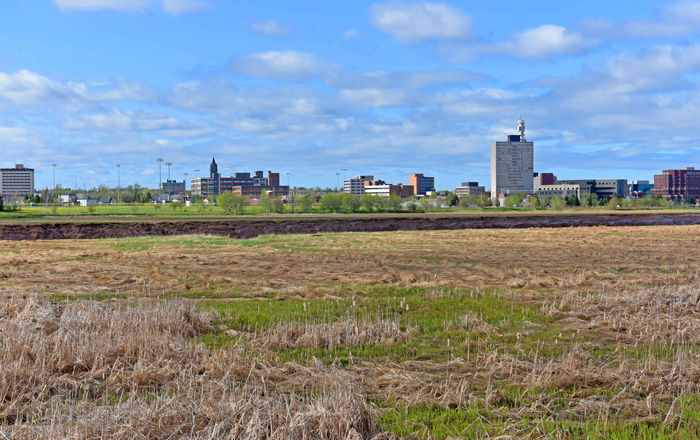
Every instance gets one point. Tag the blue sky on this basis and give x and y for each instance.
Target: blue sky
(608, 89)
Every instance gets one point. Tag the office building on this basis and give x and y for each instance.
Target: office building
(383, 189)
(512, 164)
(246, 184)
(173, 187)
(604, 188)
(421, 184)
(678, 184)
(356, 185)
(543, 179)
(562, 190)
(640, 188)
(16, 182)
(469, 189)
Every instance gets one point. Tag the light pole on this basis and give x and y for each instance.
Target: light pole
(185, 184)
(337, 181)
(160, 177)
(54, 182)
(343, 170)
(119, 185)
(168, 164)
(198, 183)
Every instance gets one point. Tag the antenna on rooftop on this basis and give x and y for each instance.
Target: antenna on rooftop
(521, 128)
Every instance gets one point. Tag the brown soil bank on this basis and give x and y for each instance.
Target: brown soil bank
(250, 229)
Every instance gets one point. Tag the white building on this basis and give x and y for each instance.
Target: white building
(512, 164)
(356, 185)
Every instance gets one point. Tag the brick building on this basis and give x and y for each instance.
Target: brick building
(678, 184)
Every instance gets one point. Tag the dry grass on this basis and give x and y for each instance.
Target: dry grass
(88, 370)
(347, 332)
(313, 266)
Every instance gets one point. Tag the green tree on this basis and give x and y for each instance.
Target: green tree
(2, 204)
(232, 203)
(91, 209)
(513, 199)
(467, 201)
(371, 202)
(306, 204)
(352, 202)
(277, 205)
(156, 206)
(483, 201)
(557, 202)
(176, 205)
(394, 203)
(412, 204)
(332, 202)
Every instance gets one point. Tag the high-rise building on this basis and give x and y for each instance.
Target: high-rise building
(356, 185)
(512, 164)
(17, 181)
(421, 184)
(678, 184)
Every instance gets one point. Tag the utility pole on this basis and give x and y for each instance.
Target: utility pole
(185, 184)
(337, 181)
(160, 177)
(119, 185)
(289, 191)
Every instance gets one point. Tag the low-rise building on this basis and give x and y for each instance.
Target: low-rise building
(383, 189)
(678, 184)
(356, 185)
(606, 188)
(469, 189)
(562, 190)
(173, 187)
(238, 183)
(640, 188)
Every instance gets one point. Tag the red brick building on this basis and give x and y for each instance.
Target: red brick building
(678, 184)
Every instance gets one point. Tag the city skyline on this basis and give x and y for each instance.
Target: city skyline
(382, 88)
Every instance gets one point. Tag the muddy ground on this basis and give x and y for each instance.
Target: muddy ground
(248, 229)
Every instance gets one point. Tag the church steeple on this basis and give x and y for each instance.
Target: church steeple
(213, 169)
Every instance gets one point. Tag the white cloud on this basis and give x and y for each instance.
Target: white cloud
(271, 28)
(279, 65)
(25, 87)
(16, 135)
(119, 120)
(173, 7)
(543, 42)
(350, 33)
(376, 97)
(179, 7)
(418, 22)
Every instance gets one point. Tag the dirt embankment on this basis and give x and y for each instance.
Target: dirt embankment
(250, 229)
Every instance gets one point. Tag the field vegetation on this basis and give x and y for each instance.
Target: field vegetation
(540, 333)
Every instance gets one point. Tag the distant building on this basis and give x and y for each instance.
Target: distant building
(678, 184)
(469, 189)
(512, 164)
(421, 184)
(543, 179)
(562, 190)
(604, 188)
(17, 181)
(238, 183)
(356, 185)
(640, 188)
(383, 189)
(173, 187)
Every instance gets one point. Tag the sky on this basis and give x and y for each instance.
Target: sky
(315, 88)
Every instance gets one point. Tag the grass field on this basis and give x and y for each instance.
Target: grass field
(538, 333)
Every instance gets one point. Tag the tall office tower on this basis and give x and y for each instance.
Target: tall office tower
(512, 164)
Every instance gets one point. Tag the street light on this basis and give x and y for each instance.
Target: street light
(185, 184)
(337, 181)
(54, 182)
(160, 176)
(343, 170)
(168, 164)
(198, 183)
(119, 185)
